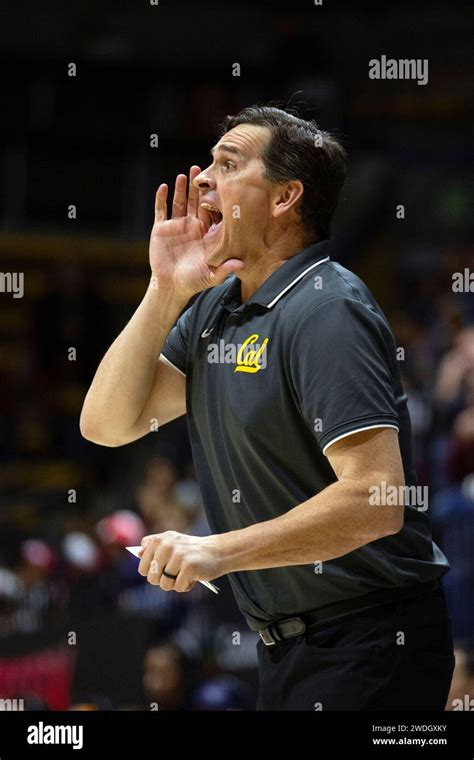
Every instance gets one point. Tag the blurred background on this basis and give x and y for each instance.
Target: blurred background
(84, 87)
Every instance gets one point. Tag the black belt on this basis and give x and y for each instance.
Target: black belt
(297, 625)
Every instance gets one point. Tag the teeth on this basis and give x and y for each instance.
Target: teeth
(209, 206)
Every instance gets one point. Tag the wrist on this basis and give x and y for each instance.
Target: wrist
(225, 547)
(165, 296)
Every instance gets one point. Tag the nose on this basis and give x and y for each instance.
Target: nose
(204, 180)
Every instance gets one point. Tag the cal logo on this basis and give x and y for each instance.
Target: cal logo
(251, 356)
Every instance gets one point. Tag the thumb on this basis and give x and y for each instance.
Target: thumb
(231, 266)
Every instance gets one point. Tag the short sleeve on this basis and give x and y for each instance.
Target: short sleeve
(343, 368)
(175, 349)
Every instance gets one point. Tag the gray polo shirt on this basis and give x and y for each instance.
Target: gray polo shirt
(270, 384)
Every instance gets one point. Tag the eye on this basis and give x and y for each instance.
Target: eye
(228, 165)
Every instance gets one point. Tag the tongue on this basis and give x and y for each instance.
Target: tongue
(213, 228)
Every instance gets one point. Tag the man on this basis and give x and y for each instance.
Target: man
(286, 369)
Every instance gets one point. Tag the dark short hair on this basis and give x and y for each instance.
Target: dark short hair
(298, 149)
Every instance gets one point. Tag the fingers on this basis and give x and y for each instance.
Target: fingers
(183, 587)
(155, 559)
(180, 207)
(160, 554)
(172, 567)
(179, 198)
(147, 556)
(161, 212)
(193, 194)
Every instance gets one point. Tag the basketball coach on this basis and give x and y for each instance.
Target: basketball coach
(286, 368)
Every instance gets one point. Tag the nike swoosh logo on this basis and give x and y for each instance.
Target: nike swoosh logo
(205, 333)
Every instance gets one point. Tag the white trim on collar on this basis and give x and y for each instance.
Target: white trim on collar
(272, 303)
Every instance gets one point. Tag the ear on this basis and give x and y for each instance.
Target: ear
(286, 197)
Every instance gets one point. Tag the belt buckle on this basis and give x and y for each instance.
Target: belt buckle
(267, 637)
(272, 633)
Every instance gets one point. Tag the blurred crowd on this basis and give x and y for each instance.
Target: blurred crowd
(60, 588)
(435, 326)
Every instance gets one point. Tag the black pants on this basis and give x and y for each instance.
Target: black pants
(398, 656)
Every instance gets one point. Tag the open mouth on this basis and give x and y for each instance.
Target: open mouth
(212, 218)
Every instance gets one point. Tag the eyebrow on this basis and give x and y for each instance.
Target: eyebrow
(228, 148)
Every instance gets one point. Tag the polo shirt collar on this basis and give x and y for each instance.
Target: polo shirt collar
(280, 281)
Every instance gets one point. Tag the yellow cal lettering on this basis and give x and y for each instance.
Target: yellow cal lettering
(252, 361)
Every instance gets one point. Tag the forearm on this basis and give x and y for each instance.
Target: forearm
(328, 525)
(125, 376)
